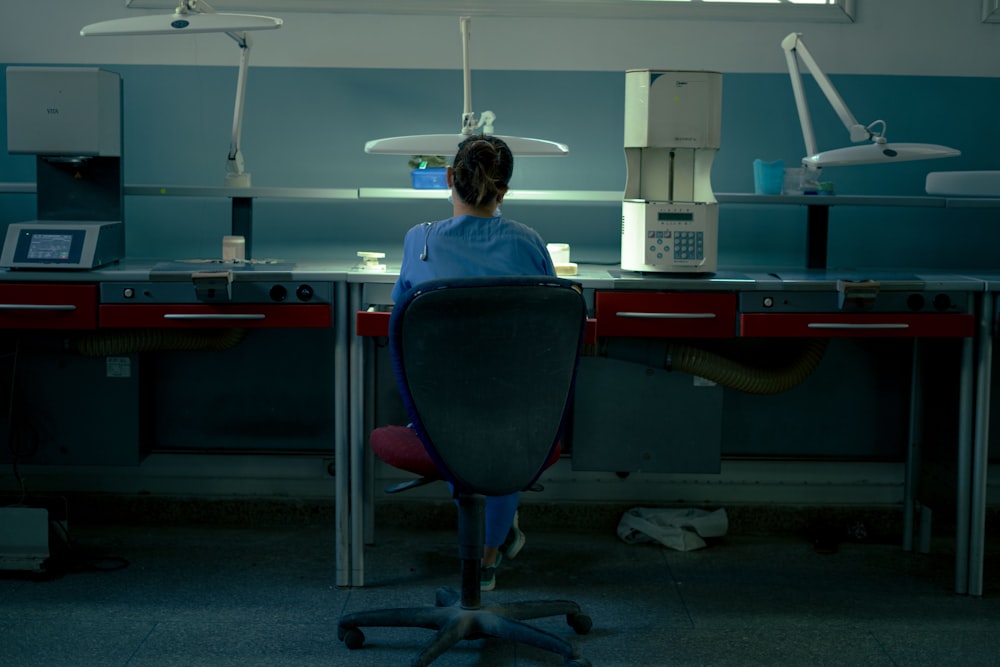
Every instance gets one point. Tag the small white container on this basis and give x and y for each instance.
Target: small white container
(234, 249)
(559, 252)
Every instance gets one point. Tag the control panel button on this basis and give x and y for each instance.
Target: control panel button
(278, 293)
(304, 292)
(942, 302)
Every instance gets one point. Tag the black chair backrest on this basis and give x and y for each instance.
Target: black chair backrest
(486, 368)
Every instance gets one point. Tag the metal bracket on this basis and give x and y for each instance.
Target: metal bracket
(213, 285)
(860, 295)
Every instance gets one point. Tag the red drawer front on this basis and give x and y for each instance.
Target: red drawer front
(821, 325)
(371, 323)
(376, 323)
(49, 306)
(243, 316)
(665, 314)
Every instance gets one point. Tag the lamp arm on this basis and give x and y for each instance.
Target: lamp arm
(795, 49)
(234, 163)
(469, 122)
(805, 121)
(197, 6)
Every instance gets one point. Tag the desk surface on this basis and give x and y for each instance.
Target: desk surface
(589, 275)
(143, 269)
(990, 280)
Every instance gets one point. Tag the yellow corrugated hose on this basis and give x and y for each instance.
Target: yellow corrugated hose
(143, 340)
(771, 378)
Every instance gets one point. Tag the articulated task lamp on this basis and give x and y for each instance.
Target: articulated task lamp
(197, 16)
(447, 144)
(878, 150)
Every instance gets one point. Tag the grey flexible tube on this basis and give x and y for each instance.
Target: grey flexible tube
(143, 340)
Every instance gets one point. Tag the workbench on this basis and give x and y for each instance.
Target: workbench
(782, 304)
(352, 304)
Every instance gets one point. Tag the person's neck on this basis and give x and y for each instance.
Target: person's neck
(461, 208)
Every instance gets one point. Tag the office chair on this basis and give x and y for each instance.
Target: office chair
(486, 368)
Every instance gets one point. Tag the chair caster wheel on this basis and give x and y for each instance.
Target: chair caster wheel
(445, 597)
(580, 622)
(353, 638)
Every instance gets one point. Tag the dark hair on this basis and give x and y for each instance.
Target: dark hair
(482, 167)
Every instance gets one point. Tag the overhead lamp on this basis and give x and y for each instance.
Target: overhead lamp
(879, 150)
(197, 16)
(447, 144)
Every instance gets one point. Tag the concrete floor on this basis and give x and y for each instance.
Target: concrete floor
(216, 596)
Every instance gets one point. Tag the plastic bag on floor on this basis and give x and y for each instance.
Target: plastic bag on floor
(681, 529)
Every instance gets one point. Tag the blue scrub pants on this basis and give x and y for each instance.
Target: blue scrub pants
(499, 516)
(500, 512)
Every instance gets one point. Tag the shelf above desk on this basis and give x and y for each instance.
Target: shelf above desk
(832, 200)
(248, 193)
(556, 196)
(817, 206)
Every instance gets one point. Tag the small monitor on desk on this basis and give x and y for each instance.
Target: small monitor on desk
(61, 245)
(57, 246)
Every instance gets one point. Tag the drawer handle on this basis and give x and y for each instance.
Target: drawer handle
(666, 316)
(36, 306)
(848, 325)
(213, 316)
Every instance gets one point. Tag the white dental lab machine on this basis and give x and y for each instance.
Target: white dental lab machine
(673, 124)
(70, 118)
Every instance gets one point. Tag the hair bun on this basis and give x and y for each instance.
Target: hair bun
(482, 166)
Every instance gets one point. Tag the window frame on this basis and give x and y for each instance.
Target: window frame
(763, 10)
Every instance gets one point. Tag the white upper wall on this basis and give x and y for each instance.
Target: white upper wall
(899, 37)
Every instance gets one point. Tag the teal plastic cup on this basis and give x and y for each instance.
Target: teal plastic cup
(768, 177)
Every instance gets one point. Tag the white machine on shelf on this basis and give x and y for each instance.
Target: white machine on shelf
(673, 124)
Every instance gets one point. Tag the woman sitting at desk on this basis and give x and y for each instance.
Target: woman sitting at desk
(478, 241)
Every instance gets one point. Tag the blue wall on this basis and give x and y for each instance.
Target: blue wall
(307, 128)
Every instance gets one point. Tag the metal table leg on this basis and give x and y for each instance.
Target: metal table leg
(981, 447)
(913, 449)
(965, 420)
(357, 444)
(340, 445)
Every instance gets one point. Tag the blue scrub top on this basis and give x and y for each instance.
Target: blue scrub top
(468, 246)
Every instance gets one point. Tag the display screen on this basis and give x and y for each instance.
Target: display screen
(668, 216)
(50, 246)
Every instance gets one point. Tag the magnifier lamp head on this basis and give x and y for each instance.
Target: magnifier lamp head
(878, 153)
(173, 24)
(447, 145)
